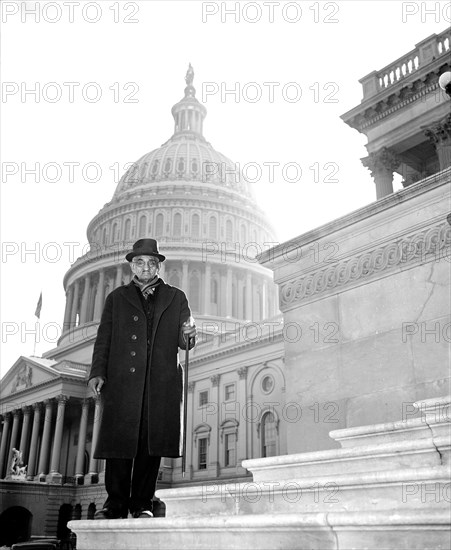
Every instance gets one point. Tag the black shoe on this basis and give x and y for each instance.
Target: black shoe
(142, 514)
(107, 513)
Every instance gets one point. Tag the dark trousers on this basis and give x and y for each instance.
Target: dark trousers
(130, 483)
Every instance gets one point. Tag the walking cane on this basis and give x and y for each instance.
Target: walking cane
(185, 404)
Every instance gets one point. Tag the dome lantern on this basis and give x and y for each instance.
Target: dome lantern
(188, 113)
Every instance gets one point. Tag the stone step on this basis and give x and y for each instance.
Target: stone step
(434, 421)
(381, 457)
(417, 530)
(411, 488)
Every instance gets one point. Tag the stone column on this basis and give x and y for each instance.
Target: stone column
(213, 452)
(79, 464)
(85, 299)
(93, 463)
(23, 445)
(241, 451)
(189, 430)
(55, 476)
(73, 311)
(45, 443)
(185, 286)
(229, 293)
(162, 270)
(207, 288)
(382, 164)
(118, 280)
(67, 311)
(223, 295)
(99, 296)
(4, 443)
(14, 434)
(248, 308)
(440, 136)
(265, 300)
(31, 470)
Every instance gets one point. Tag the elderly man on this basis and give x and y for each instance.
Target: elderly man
(136, 370)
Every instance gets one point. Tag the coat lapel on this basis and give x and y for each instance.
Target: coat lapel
(132, 296)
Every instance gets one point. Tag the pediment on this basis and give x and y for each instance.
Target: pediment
(26, 373)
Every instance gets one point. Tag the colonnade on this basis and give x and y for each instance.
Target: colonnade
(37, 431)
(384, 162)
(212, 289)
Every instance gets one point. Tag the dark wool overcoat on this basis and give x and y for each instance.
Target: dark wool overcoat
(122, 353)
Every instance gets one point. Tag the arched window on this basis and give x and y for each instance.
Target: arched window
(213, 228)
(269, 435)
(113, 233)
(194, 292)
(127, 230)
(229, 231)
(195, 226)
(243, 235)
(201, 440)
(214, 291)
(194, 167)
(104, 236)
(159, 225)
(167, 167)
(142, 226)
(177, 225)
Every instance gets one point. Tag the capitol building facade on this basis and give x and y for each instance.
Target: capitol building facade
(203, 213)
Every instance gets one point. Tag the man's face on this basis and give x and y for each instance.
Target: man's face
(145, 267)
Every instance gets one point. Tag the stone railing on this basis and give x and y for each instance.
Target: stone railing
(426, 51)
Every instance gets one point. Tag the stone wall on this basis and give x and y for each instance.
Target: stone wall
(366, 304)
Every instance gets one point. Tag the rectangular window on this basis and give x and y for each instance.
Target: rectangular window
(203, 398)
(230, 450)
(202, 446)
(229, 391)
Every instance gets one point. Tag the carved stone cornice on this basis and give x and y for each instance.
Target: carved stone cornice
(378, 108)
(383, 160)
(426, 245)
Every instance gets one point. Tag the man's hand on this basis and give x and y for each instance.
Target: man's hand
(189, 329)
(95, 385)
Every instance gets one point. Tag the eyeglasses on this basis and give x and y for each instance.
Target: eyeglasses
(142, 263)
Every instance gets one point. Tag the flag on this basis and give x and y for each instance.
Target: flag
(38, 307)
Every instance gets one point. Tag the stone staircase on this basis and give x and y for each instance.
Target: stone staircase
(388, 487)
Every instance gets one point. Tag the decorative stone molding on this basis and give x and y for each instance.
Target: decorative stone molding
(383, 160)
(215, 379)
(425, 245)
(440, 131)
(242, 372)
(191, 386)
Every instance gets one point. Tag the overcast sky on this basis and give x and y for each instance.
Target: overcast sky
(106, 75)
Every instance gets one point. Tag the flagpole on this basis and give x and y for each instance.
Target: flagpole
(37, 314)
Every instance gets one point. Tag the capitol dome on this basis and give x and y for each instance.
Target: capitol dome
(196, 203)
(186, 156)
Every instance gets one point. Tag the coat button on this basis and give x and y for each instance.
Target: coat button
(132, 369)
(133, 353)
(134, 337)
(135, 317)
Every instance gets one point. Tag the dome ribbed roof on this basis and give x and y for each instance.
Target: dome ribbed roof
(186, 156)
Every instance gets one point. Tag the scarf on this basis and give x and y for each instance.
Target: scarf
(147, 289)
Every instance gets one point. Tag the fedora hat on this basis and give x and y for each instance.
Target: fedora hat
(145, 247)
